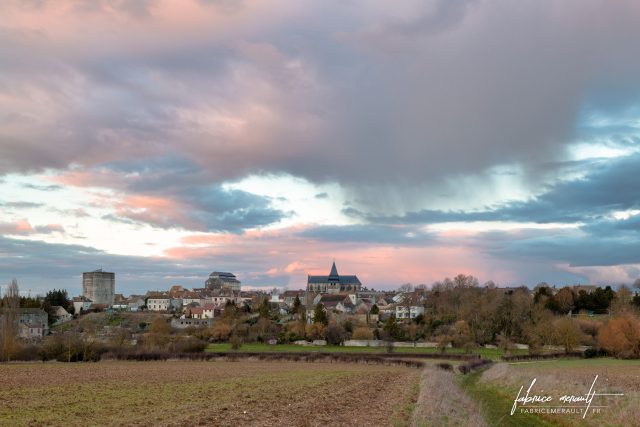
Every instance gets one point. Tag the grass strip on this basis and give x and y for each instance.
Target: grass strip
(496, 405)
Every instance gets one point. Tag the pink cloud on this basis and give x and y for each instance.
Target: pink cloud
(283, 252)
(22, 227)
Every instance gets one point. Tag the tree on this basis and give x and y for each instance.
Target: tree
(320, 315)
(335, 334)
(56, 297)
(622, 301)
(230, 310)
(9, 321)
(297, 307)
(636, 284)
(564, 299)
(566, 333)
(265, 309)
(406, 288)
(391, 328)
(621, 337)
(375, 309)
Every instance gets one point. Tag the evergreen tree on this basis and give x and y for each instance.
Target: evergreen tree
(320, 315)
(265, 308)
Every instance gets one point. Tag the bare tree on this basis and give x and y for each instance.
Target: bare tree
(9, 321)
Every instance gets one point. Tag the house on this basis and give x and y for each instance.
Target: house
(336, 302)
(176, 291)
(158, 301)
(221, 300)
(60, 314)
(289, 297)
(135, 302)
(207, 311)
(345, 306)
(189, 297)
(409, 312)
(120, 303)
(30, 331)
(81, 304)
(33, 323)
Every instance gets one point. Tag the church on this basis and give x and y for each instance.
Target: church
(333, 283)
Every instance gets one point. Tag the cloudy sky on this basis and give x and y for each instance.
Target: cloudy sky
(408, 140)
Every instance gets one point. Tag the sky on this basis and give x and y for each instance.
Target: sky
(409, 141)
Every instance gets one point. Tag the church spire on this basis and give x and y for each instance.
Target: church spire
(334, 271)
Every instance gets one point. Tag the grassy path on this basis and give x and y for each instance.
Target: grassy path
(496, 405)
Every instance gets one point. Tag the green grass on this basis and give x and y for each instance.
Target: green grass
(486, 353)
(577, 363)
(496, 405)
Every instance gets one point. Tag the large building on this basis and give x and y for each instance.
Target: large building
(99, 286)
(219, 281)
(333, 283)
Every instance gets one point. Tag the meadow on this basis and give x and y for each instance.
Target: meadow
(206, 393)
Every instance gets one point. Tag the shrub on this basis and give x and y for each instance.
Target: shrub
(221, 331)
(27, 353)
(590, 353)
(315, 331)
(188, 345)
(445, 366)
(236, 342)
(335, 334)
(621, 337)
(362, 333)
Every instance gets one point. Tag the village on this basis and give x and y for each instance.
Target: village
(333, 309)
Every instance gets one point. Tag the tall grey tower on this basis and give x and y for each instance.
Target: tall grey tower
(99, 286)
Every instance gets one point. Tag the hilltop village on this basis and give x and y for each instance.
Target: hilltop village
(333, 309)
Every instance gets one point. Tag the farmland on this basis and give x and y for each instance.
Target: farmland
(206, 393)
(487, 353)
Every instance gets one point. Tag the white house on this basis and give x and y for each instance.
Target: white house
(409, 312)
(81, 304)
(158, 302)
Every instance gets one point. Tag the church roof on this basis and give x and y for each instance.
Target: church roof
(334, 277)
(345, 280)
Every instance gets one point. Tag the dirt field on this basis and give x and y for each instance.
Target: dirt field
(574, 377)
(206, 393)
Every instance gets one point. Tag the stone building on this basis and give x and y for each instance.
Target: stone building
(99, 286)
(219, 281)
(333, 283)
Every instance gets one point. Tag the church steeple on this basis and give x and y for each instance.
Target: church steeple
(334, 272)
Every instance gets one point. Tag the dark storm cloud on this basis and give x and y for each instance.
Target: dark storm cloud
(608, 186)
(435, 89)
(172, 191)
